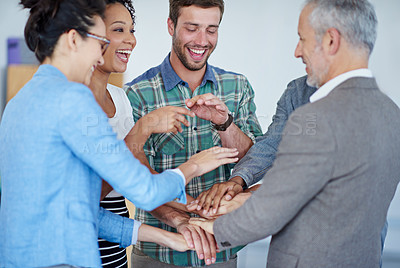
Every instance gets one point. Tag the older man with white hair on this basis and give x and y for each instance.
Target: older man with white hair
(326, 198)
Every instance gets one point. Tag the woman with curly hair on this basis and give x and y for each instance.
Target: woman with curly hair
(120, 21)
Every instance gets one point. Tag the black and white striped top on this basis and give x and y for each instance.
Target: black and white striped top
(112, 255)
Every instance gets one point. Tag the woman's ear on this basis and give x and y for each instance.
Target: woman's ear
(73, 39)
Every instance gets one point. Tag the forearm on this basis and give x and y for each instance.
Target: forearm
(137, 137)
(238, 180)
(258, 160)
(233, 137)
(152, 234)
(170, 216)
(115, 228)
(180, 206)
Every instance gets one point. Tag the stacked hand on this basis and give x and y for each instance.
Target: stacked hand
(210, 200)
(199, 240)
(225, 206)
(205, 224)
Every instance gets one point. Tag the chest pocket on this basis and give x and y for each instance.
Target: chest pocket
(169, 143)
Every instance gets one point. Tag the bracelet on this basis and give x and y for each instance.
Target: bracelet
(225, 125)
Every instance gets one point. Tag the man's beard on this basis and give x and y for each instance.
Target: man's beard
(180, 53)
(318, 68)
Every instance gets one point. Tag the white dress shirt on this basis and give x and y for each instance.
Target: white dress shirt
(323, 91)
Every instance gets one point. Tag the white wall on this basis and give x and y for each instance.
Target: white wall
(257, 38)
(12, 21)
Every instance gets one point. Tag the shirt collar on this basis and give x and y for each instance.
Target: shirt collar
(171, 79)
(323, 91)
(51, 70)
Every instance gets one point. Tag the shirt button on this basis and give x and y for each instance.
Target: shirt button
(198, 151)
(195, 128)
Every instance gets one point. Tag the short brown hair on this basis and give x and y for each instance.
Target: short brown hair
(176, 5)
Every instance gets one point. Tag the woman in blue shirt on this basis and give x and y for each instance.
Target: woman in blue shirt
(56, 144)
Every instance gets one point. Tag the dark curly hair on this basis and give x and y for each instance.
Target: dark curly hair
(49, 19)
(125, 3)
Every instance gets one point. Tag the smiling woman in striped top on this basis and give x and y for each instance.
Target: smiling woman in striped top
(119, 21)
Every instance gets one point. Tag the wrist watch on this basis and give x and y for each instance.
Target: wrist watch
(225, 125)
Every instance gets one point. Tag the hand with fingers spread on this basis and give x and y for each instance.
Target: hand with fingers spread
(208, 107)
(209, 201)
(203, 242)
(165, 119)
(208, 160)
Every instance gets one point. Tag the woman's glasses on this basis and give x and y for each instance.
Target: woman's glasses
(104, 42)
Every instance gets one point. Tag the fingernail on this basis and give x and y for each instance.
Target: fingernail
(213, 260)
(198, 207)
(191, 202)
(228, 197)
(201, 256)
(208, 261)
(215, 211)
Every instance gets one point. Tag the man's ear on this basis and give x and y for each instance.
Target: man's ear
(171, 27)
(332, 41)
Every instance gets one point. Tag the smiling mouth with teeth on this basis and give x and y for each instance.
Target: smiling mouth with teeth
(127, 52)
(124, 54)
(197, 51)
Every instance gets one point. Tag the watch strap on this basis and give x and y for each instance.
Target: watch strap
(225, 125)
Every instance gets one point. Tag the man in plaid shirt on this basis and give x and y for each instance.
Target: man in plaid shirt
(225, 116)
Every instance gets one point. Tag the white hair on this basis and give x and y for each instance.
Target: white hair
(355, 20)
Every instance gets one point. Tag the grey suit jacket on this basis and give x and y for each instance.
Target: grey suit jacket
(326, 197)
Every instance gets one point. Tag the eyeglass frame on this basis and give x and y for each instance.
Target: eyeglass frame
(100, 38)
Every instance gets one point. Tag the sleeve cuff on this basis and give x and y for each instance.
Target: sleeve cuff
(135, 232)
(182, 198)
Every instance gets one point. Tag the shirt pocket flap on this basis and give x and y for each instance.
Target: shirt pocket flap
(169, 143)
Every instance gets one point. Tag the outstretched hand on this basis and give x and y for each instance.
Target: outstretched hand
(208, 160)
(208, 107)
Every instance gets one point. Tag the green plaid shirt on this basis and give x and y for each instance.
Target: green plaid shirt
(161, 86)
